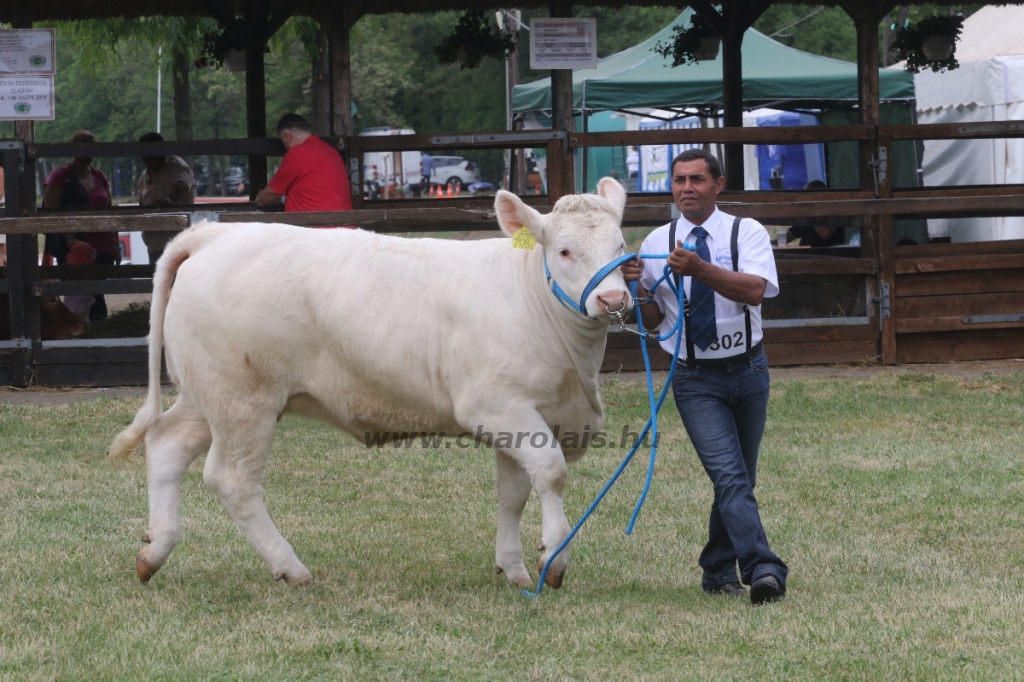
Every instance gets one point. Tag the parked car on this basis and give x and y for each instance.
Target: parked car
(454, 171)
(380, 176)
(235, 177)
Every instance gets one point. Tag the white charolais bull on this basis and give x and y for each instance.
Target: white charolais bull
(375, 333)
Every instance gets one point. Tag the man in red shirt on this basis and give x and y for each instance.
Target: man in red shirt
(312, 176)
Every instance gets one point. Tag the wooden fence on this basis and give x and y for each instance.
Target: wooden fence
(929, 303)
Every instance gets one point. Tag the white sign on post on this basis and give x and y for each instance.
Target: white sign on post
(26, 98)
(563, 43)
(28, 50)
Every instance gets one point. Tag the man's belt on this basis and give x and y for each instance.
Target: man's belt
(740, 359)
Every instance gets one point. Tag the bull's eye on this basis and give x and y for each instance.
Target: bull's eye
(564, 253)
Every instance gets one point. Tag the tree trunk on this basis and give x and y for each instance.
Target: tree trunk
(182, 101)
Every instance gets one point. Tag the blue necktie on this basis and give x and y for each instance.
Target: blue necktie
(702, 300)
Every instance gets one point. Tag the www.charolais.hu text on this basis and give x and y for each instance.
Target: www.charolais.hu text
(506, 439)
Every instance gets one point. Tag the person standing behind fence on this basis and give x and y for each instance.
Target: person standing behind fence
(427, 170)
(167, 181)
(721, 385)
(312, 176)
(78, 184)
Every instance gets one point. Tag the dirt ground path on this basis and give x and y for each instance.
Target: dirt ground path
(59, 396)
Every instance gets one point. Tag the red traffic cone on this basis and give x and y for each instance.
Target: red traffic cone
(449, 195)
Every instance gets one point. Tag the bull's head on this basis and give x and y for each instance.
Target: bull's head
(580, 236)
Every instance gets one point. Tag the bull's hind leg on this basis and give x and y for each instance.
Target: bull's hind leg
(513, 491)
(178, 437)
(234, 472)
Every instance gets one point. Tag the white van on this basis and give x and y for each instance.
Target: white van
(380, 176)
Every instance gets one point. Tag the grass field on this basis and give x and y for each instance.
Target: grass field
(898, 502)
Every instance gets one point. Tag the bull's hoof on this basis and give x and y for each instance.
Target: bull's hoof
(551, 579)
(146, 538)
(518, 578)
(299, 578)
(144, 568)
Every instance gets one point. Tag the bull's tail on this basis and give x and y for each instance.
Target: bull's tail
(127, 443)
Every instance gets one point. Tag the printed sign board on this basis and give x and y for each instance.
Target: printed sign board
(563, 43)
(27, 51)
(26, 98)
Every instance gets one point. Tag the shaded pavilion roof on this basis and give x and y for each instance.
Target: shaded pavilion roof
(65, 10)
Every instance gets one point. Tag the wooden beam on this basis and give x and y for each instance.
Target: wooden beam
(256, 89)
(767, 135)
(53, 224)
(960, 263)
(269, 146)
(957, 131)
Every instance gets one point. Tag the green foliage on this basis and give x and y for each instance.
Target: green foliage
(473, 40)
(908, 41)
(686, 43)
(831, 33)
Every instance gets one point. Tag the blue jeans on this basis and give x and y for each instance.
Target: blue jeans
(724, 409)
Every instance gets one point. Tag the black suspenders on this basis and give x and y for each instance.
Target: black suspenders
(734, 245)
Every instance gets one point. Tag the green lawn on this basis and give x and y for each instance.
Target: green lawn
(898, 502)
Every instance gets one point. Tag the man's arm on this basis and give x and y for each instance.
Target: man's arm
(735, 286)
(268, 197)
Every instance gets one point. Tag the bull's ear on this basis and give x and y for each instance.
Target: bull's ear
(611, 189)
(514, 214)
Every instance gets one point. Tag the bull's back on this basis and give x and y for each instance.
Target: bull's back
(382, 331)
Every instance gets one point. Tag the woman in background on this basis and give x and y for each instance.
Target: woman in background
(79, 184)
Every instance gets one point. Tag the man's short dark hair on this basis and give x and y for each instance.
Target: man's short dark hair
(151, 137)
(292, 122)
(714, 167)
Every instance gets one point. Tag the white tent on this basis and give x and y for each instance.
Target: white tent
(988, 86)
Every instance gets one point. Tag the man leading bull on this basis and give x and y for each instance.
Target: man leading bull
(721, 382)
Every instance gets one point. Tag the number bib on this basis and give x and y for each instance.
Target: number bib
(732, 339)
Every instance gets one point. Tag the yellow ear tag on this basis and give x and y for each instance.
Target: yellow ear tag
(524, 239)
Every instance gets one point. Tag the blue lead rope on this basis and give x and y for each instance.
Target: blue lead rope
(652, 423)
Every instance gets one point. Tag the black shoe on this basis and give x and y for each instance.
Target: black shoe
(766, 589)
(731, 589)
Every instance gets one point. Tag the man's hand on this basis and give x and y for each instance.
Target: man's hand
(632, 270)
(685, 262)
(268, 197)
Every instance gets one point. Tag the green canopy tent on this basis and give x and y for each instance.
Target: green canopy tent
(774, 76)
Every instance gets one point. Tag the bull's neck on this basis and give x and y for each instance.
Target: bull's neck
(583, 338)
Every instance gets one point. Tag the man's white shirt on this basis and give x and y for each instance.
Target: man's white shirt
(756, 258)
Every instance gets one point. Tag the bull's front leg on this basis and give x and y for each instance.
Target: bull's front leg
(531, 455)
(513, 485)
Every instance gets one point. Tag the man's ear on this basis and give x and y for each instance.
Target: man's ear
(611, 189)
(513, 214)
(719, 184)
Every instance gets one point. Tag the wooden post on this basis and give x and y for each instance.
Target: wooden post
(732, 100)
(876, 235)
(341, 73)
(256, 89)
(560, 165)
(731, 27)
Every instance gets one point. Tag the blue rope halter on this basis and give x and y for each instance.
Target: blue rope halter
(655, 404)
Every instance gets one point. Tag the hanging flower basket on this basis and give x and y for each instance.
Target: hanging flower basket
(708, 50)
(928, 44)
(937, 48)
(234, 61)
(697, 42)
